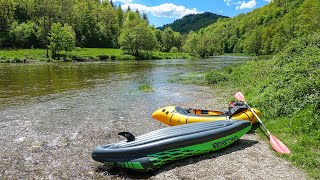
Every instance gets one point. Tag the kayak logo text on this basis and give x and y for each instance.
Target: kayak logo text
(225, 142)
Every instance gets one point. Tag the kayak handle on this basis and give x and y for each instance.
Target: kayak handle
(130, 137)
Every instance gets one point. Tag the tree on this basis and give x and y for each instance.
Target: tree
(120, 17)
(190, 42)
(253, 43)
(159, 34)
(62, 38)
(137, 38)
(7, 10)
(168, 39)
(25, 35)
(145, 17)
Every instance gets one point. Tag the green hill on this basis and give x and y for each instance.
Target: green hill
(193, 22)
(265, 30)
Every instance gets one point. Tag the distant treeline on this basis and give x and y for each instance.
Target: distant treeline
(27, 23)
(62, 25)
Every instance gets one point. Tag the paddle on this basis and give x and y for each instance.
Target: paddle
(276, 144)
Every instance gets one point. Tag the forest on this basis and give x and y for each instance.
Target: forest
(263, 31)
(62, 25)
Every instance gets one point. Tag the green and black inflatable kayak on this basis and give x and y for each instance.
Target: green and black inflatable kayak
(152, 150)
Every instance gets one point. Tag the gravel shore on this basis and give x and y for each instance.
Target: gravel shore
(64, 152)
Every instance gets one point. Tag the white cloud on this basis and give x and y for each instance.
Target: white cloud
(231, 2)
(164, 10)
(123, 1)
(247, 5)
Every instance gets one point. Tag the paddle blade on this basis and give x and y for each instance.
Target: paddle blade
(278, 146)
(239, 96)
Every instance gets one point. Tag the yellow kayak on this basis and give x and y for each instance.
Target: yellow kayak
(173, 115)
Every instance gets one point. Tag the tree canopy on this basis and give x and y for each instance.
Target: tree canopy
(265, 30)
(137, 37)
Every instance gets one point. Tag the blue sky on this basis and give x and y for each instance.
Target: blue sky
(162, 12)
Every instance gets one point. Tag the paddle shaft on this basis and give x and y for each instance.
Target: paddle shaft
(258, 118)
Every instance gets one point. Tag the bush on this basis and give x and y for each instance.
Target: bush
(103, 57)
(174, 49)
(25, 35)
(77, 49)
(113, 57)
(62, 38)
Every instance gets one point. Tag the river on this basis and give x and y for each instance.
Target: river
(53, 114)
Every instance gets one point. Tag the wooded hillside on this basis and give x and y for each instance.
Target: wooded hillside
(193, 22)
(265, 30)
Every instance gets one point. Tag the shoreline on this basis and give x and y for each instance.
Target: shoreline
(81, 55)
(64, 150)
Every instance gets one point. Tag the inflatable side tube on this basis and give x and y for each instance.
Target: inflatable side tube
(152, 150)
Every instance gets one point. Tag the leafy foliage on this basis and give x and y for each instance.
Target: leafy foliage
(287, 90)
(170, 39)
(137, 37)
(265, 30)
(25, 35)
(62, 38)
(96, 24)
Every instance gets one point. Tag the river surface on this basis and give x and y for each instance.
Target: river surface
(113, 84)
(53, 114)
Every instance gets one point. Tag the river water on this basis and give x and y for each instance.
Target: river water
(106, 85)
(53, 114)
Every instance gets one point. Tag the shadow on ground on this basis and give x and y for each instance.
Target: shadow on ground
(123, 173)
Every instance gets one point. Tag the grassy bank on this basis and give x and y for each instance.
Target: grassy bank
(287, 90)
(81, 54)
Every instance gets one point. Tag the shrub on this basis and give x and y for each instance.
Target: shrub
(62, 38)
(103, 57)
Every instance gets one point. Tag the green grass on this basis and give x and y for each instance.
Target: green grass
(191, 78)
(146, 88)
(23, 53)
(82, 54)
(287, 91)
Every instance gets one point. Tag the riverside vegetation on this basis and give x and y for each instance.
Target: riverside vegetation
(59, 26)
(287, 90)
(48, 24)
(82, 54)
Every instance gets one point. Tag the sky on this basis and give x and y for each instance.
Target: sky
(162, 12)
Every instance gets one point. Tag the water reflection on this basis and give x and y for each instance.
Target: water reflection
(23, 82)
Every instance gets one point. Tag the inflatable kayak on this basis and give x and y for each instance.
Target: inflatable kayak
(173, 115)
(152, 150)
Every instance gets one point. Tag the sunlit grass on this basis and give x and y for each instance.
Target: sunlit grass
(191, 78)
(146, 88)
(82, 54)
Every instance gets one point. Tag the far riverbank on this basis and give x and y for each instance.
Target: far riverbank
(80, 54)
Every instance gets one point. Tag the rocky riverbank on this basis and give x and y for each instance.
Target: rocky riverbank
(63, 149)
